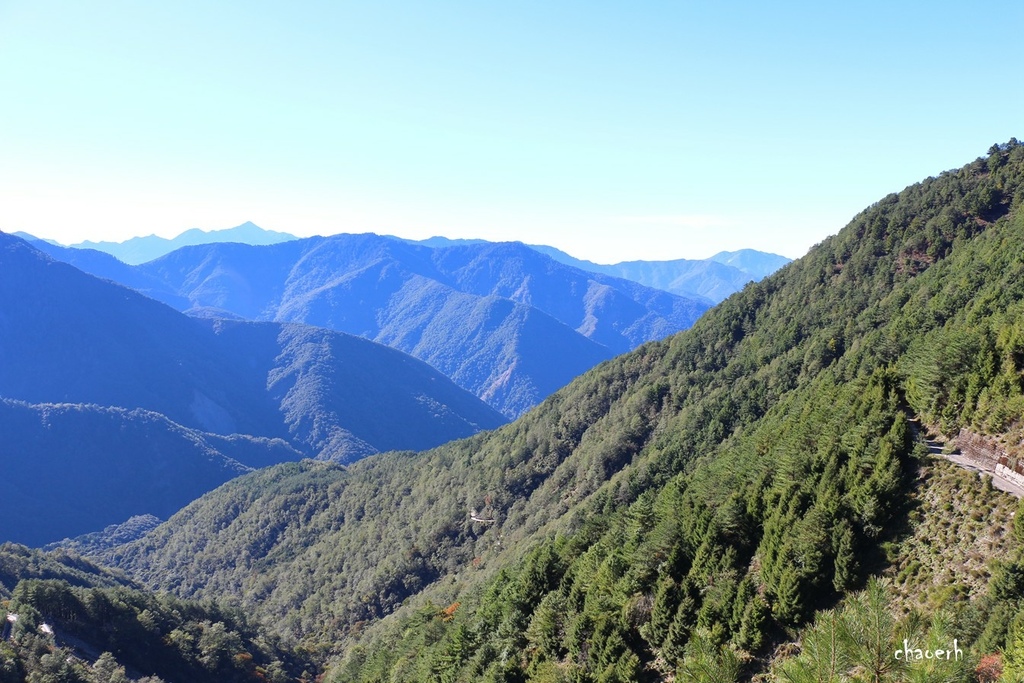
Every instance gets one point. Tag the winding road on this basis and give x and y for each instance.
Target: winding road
(979, 465)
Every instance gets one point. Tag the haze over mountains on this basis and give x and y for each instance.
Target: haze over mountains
(717, 505)
(141, 249)
(74, 348)
(159, 390)
(691, 506)
(502, 320)
(714, 278)
(692, 278)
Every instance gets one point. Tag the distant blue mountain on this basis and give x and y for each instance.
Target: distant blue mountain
(438, 241)
(71, 469)
(421, 298)
(112, 404)
(712, 279)
(141, 249)
(69, 337)
(32, 238)
(757, 264)
(502, 320)
(103, 265)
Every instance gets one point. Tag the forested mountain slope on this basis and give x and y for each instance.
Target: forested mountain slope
(690, 504)
(70, 621)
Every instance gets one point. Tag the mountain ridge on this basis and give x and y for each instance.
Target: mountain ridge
(696, 499)
(136, 250)
(468, 310)
(123, 378)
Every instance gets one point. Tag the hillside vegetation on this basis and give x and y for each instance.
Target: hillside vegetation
(684, 508)
(69, 621)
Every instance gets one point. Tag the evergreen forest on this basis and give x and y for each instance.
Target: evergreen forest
(755, 498)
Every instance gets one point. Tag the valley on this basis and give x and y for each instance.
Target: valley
(745, 499)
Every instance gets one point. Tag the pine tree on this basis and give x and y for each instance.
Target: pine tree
(872, 629)
(107, 670)
(825, 652)
(752, 624)
(707, 661)
(666, 602)
(847, 568)
(679, 631)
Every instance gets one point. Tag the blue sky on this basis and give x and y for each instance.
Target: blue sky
(641, 130)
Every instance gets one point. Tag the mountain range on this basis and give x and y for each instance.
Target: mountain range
(139, 377)
(500, 319)
(714, 506)
(159, 391)
(712, 279)
(141, 249)
(754, 498)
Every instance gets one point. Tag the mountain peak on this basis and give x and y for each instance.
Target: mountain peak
(142, 249)
(758, 264)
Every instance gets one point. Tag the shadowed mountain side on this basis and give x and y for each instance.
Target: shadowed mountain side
(379, 398)
(71, 469)
(68, 337)
(485, 344)
(241, 279)
(103, 265)
(72, 621)
(611, 311)
(508, 354)
(711, 279)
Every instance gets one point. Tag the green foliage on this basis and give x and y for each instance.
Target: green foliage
(699, 495)
(98, 615)
(18, 562)
(706, 661)
(864, 641)
(616, 611)
(59, 626)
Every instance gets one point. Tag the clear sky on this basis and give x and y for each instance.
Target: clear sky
(612, 130)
